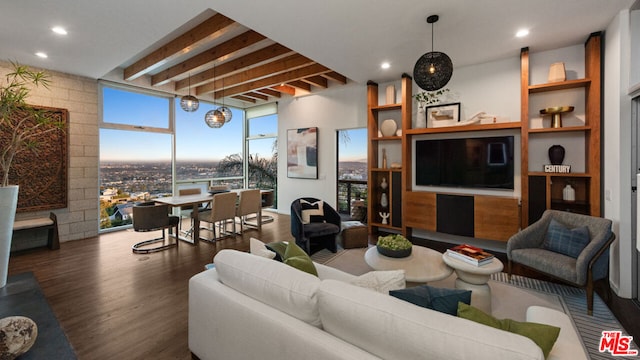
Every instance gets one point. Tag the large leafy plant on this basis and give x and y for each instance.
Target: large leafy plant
(20, 123)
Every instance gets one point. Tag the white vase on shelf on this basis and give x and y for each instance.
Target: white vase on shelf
(384, 202)
(568, 193)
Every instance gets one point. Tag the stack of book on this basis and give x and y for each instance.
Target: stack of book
(470, 254)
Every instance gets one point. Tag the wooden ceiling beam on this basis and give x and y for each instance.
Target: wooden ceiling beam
(289, 63)
(255, 95)
(212, 28)
(318, 81)
(270, 92)
(299, 84)
(225, 49)
(244, 98)
(286, 77)
(336, 77)
(266, 54)
(284, 89)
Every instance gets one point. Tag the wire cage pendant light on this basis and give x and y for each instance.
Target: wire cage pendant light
(223, 109)
(189, 103)
(214, 118)
(433, 70)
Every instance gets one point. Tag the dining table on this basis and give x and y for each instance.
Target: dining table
(195, 200)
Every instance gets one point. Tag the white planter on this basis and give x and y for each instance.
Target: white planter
(8, 204)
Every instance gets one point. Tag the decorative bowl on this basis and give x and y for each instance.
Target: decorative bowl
(393, 253)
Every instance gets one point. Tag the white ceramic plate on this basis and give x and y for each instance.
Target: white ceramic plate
(388, 127)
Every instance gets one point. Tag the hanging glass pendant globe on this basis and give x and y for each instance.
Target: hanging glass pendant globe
(189, 103)
(214, 119)
(226, 112)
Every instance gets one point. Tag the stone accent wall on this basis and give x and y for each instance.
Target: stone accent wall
(79, 95)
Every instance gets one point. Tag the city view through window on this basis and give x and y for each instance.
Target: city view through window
(136, 152)
(352, 172)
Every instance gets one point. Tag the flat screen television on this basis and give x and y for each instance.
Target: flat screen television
(483, 162)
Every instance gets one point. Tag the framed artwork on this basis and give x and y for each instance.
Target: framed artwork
(302, 153)
(442, 115)
(42, 173)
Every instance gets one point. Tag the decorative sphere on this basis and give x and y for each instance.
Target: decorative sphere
(226, 112)
(189, 103)
(214, 119)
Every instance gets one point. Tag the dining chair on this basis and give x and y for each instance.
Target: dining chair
(149, 216)
(250, 202)
(223, 209)
(185, 211)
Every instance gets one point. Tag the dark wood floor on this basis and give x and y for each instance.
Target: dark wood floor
(113, 304)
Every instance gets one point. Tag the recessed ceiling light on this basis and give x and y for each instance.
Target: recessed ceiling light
(385, 65)
(522, 33)
(59, 30)
(41, 54)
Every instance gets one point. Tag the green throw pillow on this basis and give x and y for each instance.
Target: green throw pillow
(296, 257)
(443, 300)
(543, 335)
(279, 248)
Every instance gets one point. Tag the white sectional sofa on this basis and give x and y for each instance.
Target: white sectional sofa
(250, 307)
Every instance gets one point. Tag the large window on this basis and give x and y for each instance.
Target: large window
(262, 148)
(352, 172)
(150, 148)
(135, 152)
(202, 152)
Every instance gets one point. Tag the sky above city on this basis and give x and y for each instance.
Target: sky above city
(195, 140)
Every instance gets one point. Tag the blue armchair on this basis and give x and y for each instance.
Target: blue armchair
(311, 225)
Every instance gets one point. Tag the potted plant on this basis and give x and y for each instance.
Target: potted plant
(426, 98)
(395, 245)
(20, 126)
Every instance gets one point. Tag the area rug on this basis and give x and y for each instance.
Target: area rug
(529, 292)
(22, 296)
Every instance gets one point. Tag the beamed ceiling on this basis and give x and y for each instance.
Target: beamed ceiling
(221, 58)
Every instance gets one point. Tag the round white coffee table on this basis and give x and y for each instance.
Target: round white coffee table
(423, 265)
(475, 278)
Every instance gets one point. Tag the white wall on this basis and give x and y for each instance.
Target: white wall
(341, 107)
(617, 151)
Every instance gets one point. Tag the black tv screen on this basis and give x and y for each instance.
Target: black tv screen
(484, 162)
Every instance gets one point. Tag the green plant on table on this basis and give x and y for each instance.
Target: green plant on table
(394, 242)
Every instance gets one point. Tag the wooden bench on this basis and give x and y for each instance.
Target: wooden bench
(50, 223)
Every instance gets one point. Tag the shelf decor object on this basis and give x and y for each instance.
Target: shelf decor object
(556, 154)
(556, 72)
(391, 94)
(388, 127)
(556, 114)
(433, 70)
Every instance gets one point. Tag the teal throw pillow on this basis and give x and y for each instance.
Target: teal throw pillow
(543, 335)
(296, 257)
(566, 241)
(443, 300)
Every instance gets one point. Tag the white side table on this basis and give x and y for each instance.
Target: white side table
(423, 265)
(475, 278)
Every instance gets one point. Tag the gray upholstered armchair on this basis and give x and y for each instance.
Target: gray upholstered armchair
(316, 227)
(560, 246)
(149, 216)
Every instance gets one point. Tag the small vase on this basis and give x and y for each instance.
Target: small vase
(568, 193)
(384, 202)
(556, 154)
(384, 184)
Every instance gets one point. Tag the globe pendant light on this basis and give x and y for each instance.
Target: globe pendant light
(433, 70)
(189, 103)
(223, 109)
(214, 118)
